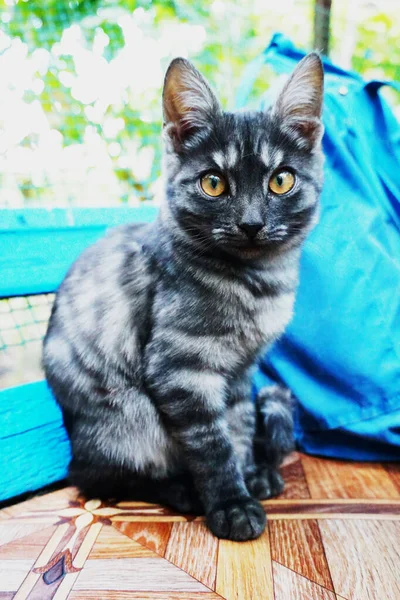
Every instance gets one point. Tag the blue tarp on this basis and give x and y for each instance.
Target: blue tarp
(341, 353)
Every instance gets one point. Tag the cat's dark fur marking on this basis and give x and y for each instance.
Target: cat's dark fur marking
(155, 327)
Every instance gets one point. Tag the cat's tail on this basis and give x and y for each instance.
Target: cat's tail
(275, 428)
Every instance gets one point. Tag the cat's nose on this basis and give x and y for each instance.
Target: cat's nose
(251, 229)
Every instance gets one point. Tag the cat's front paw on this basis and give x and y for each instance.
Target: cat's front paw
(264, 483)
(239, 520)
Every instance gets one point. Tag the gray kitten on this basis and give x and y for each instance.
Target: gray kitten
(156, 327)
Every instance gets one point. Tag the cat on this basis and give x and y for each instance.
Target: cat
(156, 327)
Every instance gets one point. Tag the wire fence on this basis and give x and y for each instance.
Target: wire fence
(24, 319)
(23, 324)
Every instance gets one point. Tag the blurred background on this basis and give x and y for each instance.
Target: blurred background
(80, 99)
(80, 81)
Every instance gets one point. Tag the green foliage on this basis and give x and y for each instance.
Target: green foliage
(39, 22)
(378, 48)
(98, 105)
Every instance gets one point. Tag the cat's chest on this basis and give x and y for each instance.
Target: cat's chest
(264, 321)
(252, 311)
(223, 326)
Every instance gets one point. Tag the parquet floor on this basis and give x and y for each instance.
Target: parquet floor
(334, 534)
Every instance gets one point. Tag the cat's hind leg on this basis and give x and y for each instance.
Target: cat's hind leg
(122, 451)
(273, 440)
(242, 421)
(261, 434)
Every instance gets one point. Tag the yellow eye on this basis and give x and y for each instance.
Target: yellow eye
(281, 182)
(213, 184)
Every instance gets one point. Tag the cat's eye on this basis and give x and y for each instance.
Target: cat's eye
(213, 184)
(281, 182)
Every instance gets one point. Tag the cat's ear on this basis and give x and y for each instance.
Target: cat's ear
(189, 105)
(299, 105)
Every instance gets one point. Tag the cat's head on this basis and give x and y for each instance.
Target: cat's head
(244, 183)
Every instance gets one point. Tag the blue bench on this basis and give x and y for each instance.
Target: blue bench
(37, 246)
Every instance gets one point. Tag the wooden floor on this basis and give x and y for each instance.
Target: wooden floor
(333, 535)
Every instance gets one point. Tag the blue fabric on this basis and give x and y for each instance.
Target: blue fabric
(341, 353)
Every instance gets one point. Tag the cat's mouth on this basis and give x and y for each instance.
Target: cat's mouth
(252, 249)
(249, 249)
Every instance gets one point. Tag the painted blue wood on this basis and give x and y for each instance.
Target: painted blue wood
(34, 446)
(37, 246)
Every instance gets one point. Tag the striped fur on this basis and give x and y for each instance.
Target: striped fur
(156, 327)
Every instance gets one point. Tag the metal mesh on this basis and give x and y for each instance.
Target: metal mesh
(23, 323)
(24, 319)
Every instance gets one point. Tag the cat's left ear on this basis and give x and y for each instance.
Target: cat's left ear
(189, 105)
(299, 105)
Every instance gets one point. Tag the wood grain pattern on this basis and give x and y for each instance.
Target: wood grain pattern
(29, 546)
(393, 469)
(337, 514)
(327, 509)
(344, 479)
(113, 544)
(339, 544)
(154, 536)
(11, 530)
(55, 500)
(136, 574)
(298, 546)
(364, 558)
(13, 573)
(32, 578)
(69, 580)
(121, 595)
(52, 545)
(302, 508)
(289, 585)
(193, 548)
(293, 475)
(149, 518)
(87, 545)
(136, 504)
(244, 570)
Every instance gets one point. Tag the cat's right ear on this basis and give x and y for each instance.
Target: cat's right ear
(299, 104)
(189, 105)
